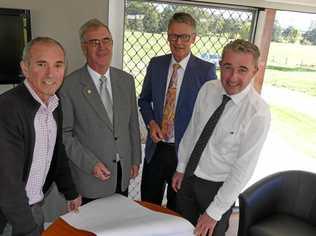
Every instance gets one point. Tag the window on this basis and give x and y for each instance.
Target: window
(290, 89)
(146, 25)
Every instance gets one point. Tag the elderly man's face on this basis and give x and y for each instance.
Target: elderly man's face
(180, 37)
(237, 70)
(44, 69)
(98, 48)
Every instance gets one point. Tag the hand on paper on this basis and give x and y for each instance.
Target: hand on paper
(155, 131)
(205, 225)
(177, 181)
(134, 171)
(101, 172)
(73, 205)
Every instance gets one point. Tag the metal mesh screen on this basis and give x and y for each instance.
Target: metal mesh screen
(145, 36)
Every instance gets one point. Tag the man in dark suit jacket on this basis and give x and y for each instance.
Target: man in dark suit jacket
(32, 151)
(101, 130)
(162, 143)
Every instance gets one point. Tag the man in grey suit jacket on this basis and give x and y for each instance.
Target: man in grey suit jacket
(101, 130)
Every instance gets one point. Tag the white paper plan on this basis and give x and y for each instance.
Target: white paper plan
(118, 215)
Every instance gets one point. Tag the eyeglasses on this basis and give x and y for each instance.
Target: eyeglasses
(182, 37)
(98, 42)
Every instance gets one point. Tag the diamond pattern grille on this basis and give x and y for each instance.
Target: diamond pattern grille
(145, 37)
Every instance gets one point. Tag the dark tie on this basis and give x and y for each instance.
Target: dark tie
(204, 138)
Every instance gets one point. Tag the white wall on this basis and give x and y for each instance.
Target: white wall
(61, 20)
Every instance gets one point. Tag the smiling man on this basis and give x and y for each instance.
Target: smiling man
(221, 146)
(166, 102)
(101, 130)
(32, 150)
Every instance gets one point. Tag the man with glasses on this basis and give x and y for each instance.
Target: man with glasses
(101, 130)
(220, 148)
(166, 102)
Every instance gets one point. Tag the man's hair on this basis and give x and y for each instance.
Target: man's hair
(90, 24)
(243, 46)
(45, 40)
(182, 17)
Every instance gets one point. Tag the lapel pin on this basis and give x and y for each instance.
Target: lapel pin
(89, 91)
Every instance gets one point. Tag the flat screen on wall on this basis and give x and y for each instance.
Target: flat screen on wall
(15, 32)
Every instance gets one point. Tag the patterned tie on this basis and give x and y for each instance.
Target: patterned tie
(204, 137)
(169, 108)
(106, 97)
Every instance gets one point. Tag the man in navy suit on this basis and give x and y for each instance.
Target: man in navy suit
(171, 85)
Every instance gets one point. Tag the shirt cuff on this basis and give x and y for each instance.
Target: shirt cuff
(214, 212)
(181, 167)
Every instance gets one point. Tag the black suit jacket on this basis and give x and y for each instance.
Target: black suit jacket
(17, 140)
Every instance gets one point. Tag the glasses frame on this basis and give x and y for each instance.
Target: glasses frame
(182, 37)
(97, 42)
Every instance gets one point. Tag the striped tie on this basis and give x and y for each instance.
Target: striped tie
(106, 97)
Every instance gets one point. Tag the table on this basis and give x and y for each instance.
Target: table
(61, 228)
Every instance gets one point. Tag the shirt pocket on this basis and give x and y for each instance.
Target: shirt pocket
(226, 141)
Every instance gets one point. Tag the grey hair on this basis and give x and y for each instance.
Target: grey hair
(92, 23)
(46, 40)
(183, 17)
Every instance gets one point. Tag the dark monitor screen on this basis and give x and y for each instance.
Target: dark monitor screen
(15, 32)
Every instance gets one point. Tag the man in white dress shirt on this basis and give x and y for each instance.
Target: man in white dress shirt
(206, 197)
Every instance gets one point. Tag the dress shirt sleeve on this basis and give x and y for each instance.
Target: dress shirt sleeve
(145, 97)
(82, 157)
(251, 144)
(14, 204)
(134, 126)
(191, 134)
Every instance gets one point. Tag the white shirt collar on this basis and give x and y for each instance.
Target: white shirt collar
(95, 75)
(52, 102)
(237, 98)
(183, 63)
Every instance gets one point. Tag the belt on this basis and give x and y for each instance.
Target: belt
(166, 144)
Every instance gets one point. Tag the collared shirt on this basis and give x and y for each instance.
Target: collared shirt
(45, 138)
(234, 147)
(96, 79)
(180, 73)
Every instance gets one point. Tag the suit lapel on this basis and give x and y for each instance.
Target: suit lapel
(187, 81)
(115, 97)
(90, 92)
(162, 85)
(31, 107)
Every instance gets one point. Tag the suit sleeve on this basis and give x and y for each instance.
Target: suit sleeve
(82, 157)
(13, 199)
(145, 97)
(134, 127)
(212, 73)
